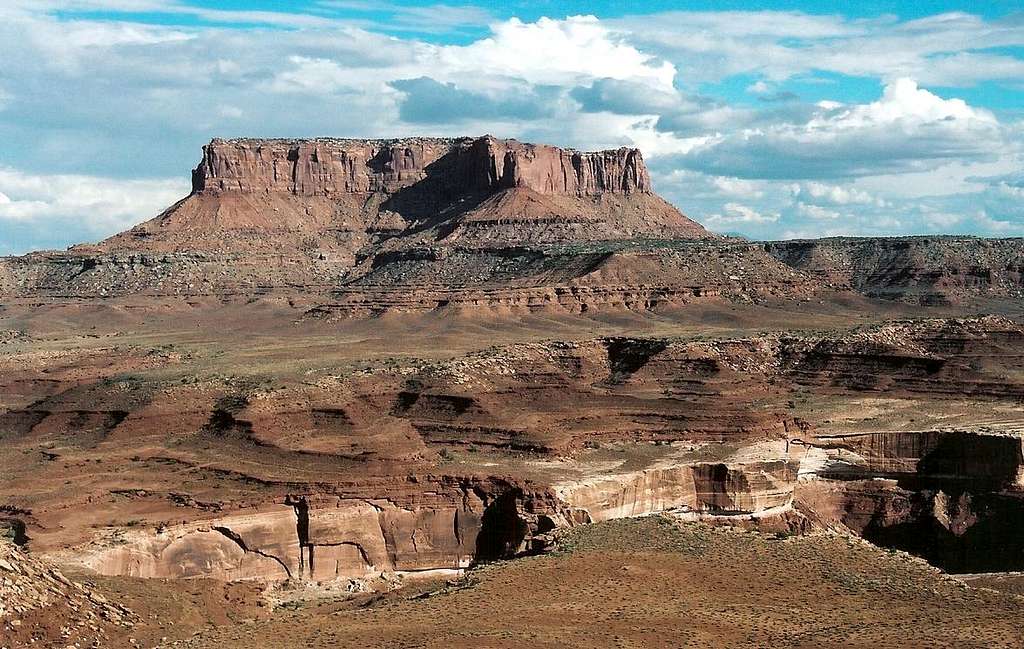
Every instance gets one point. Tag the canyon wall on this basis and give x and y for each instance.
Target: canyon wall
(322, 537)
(717, 488)
(952, 497)
(936, 455)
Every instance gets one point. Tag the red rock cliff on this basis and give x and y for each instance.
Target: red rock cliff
(333, 166)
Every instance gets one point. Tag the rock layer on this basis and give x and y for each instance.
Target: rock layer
(717, 488)
(953, 497)
(446, 525)
(332, 166)
(921, 270)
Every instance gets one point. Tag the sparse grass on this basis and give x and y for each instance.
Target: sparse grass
(651, 582)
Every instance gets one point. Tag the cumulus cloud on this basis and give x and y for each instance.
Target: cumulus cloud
(907, 129)
(734, 214)
(824, 194)
(557, 51)
(903, 102)
(816, 212)
(55, 209)
(749, 155)
(427, 101)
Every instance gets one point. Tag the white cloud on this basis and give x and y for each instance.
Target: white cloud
(738, 187)
(1013, 191)
(434, 18)
(567, 51)
(83, 206)
(941, 50)
(908, 129)
(995, 226)
(231, 112)
(823, 193)
(759, 88)
(904, 103)
(816, 212)
(737, 214)
(317, 75)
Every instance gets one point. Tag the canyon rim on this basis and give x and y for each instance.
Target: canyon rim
(639, 345)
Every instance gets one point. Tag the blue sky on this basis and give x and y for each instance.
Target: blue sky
(772, 120)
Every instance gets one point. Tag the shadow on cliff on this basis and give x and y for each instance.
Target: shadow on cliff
(454, 185)
(994, 542)
(502, 531)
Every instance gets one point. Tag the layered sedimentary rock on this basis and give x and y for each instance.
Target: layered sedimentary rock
(188, 463)
(717, 488)
(332, 166)
(937, 455)
(331, 540)
(447, 524)
(338, 196)
(924, 270)
(953, 497)
(956, 357)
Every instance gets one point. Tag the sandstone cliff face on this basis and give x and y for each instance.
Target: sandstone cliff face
(333, 166)
(748, 488)
(934, 455)
(331, 540)
(447, 525)
(952, 497)
(442, 524)
(311, 167)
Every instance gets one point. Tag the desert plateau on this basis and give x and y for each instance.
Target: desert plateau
(491, 391)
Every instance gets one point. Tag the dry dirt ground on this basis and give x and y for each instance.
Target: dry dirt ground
(651, 582)
(633, 583)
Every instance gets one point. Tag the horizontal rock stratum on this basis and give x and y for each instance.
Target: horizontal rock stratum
(326, 166)
(363, 226)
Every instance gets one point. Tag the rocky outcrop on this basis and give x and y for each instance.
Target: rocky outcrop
(935, 455)
(952, 497)
(716, 488)
(321, 537)
(922, 270)
(328, 166)
(39, 606)
(957, 357)
(336, 197)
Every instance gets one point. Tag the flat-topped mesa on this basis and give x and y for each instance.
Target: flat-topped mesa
(327, 166)
(314, 166)
(327, 210)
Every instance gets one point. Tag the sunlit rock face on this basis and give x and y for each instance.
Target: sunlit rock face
(331, 166)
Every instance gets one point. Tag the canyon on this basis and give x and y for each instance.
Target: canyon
(357, 364)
